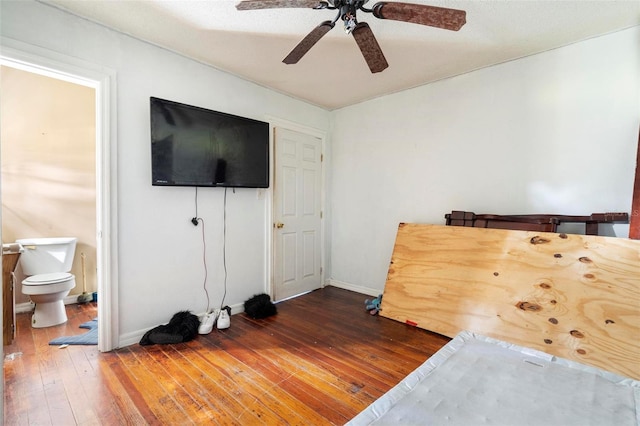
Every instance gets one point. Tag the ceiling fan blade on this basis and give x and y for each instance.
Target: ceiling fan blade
(308, 42)
(274, 4)
(369, 47)
(440, 17)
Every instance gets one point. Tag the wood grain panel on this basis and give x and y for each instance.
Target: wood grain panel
(573, 296)
(634, 228)
(9, 262)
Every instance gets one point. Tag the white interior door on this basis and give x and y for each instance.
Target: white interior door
(297, 213)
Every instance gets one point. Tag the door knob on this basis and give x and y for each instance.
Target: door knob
(279, 225)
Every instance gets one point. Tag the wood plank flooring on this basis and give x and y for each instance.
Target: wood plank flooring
(321, 360)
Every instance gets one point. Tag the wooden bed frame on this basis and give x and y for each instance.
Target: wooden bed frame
(533, 222)
(573, 296)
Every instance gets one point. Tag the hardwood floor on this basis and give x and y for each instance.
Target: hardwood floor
(321, 360)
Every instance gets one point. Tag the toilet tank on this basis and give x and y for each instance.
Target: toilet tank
(47, 255)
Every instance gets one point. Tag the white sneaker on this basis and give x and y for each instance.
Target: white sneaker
(206, 325)
(223, 320)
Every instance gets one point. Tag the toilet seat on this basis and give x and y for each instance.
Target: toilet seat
(44, 279)
(48, 284)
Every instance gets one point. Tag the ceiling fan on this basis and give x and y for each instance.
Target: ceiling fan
(433, 16)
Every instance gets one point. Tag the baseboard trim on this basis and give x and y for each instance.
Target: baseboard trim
(23, 307)
(30, 306)
(134, 337)
(357, 288)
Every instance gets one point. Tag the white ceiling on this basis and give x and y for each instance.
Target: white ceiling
(333, 74)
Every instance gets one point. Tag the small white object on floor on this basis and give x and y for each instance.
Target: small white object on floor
(63, 346)
(206, 325)
(223, 320)
(11, 357)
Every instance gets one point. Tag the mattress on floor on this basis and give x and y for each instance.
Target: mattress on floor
(477, 380)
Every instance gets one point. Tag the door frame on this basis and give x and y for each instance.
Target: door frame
(53, 64)
(275, 123)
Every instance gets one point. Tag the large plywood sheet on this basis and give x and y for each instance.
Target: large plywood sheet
(573, 296)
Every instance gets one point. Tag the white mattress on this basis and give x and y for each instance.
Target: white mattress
(477, 380)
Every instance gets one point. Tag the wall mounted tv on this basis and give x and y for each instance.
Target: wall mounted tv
(192, 146)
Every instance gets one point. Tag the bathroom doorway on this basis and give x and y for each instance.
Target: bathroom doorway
(57, 177)
(49, 169)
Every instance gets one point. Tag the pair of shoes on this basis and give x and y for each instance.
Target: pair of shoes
(209, 319)
(224, 320)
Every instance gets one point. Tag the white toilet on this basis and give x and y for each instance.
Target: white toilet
(47, 263)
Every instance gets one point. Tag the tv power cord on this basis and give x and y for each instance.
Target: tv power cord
(194, 221)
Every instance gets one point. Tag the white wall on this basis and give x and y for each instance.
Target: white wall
(551, 133)
(160, 251)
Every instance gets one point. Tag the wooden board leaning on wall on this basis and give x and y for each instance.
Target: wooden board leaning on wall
(634, 227)
(573, 296)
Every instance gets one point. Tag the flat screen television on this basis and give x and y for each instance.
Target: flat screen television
(192, 146)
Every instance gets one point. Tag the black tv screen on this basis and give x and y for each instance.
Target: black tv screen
(192, 146)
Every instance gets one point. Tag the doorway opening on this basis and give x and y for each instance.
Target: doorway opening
(42, 63)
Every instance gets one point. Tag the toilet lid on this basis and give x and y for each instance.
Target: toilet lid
(52, 278)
